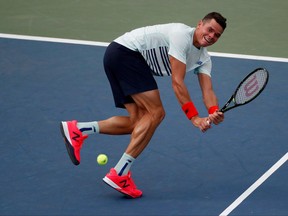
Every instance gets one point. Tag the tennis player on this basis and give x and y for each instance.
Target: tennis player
(130, 63)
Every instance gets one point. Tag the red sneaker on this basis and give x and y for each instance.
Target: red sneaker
(123, 184)
(73, 139)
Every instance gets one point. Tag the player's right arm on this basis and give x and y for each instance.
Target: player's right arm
(178, 75)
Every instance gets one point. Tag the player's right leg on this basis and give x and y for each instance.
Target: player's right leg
(73, 139)
(74, 133)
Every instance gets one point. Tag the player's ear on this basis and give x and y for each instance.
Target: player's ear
(200, 23)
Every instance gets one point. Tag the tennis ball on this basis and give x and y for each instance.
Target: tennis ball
(102, 159)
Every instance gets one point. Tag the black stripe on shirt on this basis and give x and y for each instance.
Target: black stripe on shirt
(165, 59)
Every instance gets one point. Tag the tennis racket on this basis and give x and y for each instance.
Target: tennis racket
(248, 89)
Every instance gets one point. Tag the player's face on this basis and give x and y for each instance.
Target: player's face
(207, 33)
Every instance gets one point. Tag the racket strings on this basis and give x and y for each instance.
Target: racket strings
(251, 87)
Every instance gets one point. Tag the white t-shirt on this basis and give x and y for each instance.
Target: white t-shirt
(157, 42)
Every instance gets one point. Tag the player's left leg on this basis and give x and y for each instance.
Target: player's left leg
(152, 113)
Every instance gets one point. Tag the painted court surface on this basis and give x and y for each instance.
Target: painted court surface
(237, 168)
(182, 172)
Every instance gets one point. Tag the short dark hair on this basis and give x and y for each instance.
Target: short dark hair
(217, 17)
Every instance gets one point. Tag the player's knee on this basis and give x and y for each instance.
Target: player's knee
(157, 115)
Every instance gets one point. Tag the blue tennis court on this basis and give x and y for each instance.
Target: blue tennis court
(182, 172)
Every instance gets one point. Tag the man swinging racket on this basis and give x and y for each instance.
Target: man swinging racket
(130, 63)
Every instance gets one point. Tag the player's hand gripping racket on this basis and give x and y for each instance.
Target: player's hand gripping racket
(249, 88)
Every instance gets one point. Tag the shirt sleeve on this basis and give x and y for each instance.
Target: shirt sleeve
(204, 68)
(178, 45)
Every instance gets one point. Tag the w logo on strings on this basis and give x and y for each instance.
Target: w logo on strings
(251, 87)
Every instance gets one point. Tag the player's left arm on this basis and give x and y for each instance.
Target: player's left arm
(209, 98)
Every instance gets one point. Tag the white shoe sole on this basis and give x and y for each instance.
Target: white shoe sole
(111, 183)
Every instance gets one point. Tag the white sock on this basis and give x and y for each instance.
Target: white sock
(124, 164)
(88, 127)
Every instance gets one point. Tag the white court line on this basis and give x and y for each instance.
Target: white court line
(94, 43)
(50, 39)
(253, 187)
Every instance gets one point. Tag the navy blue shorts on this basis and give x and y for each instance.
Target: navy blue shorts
(127, 72)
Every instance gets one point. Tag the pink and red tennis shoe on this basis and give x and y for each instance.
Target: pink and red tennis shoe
(123, 184)
(74, 140)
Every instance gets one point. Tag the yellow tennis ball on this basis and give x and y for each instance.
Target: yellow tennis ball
(102, 159)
